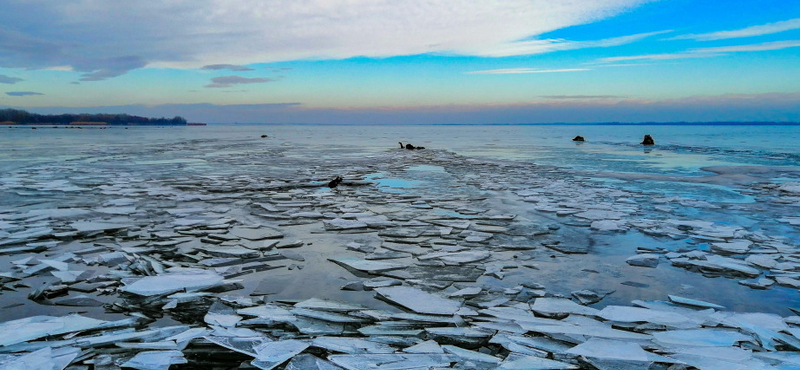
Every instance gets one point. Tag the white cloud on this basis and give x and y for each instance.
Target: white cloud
(509, 71)
(195, 33)
(547, 46)
(668, 56)
(708, 52)
(765, 29)
(767, 46)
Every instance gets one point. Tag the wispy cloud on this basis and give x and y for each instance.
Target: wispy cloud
(228, 81)
(767, 46)
(510, 71)
(708, 52)
(581, 97)
(760, 30)
(552, 45)
(22, 93)
(9, 80)
(667, 56)
(230, 67)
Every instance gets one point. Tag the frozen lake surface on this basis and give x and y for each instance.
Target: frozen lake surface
(178, 241)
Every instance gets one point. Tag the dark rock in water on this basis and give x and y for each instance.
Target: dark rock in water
(263, 136)
(410, 146)
(648, 140)
(335, 182)
(578, 138)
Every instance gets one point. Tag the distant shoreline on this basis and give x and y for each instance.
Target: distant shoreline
(521, 124)
(11, 117)
(107, 125)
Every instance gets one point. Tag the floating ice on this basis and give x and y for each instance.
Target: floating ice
(328, 305)
(534, 363)
(30, 328)
(271, 354)
(644, 315)
(701, 337)
(392, 361)
(342, 224)
(155, 360)
(367, 265)
(310, 362)
(467, 355)
(351, 345)
(419, 301)
(92, 226)
(428, 346)
(189, 280)
(560, 307)
(643, 260)
(256, 233)
(694, 302)
(44, 359)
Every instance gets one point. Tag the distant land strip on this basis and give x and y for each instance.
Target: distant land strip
(21, 117)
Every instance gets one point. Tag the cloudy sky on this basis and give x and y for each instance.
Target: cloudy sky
(413, 61)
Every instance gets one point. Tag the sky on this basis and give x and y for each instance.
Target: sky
(412, 61)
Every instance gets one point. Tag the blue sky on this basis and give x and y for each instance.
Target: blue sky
(417, 61)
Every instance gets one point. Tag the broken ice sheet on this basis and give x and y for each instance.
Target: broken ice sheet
(271, 354)
(419, 301)
(310, 362)
(93, 226)
(256, 233)
(220, 314)
(596, 330)
(351, 345)
(428, 346)
(327, 316)
(30, 328)
(268, 311)
(702, 337)
(466, 336)
(44, 359)
(188, 280)
(643, 315)
(694, 302)
(328, 305)
(467, 355)
(342, 224)
(533, 363)
(245, 344)
(392, 361)
(616, 350)
(155, 360)
(560, 307)
(458, 258)
(643, 260)
(367, 265)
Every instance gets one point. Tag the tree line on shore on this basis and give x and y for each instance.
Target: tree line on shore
(18, 116)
